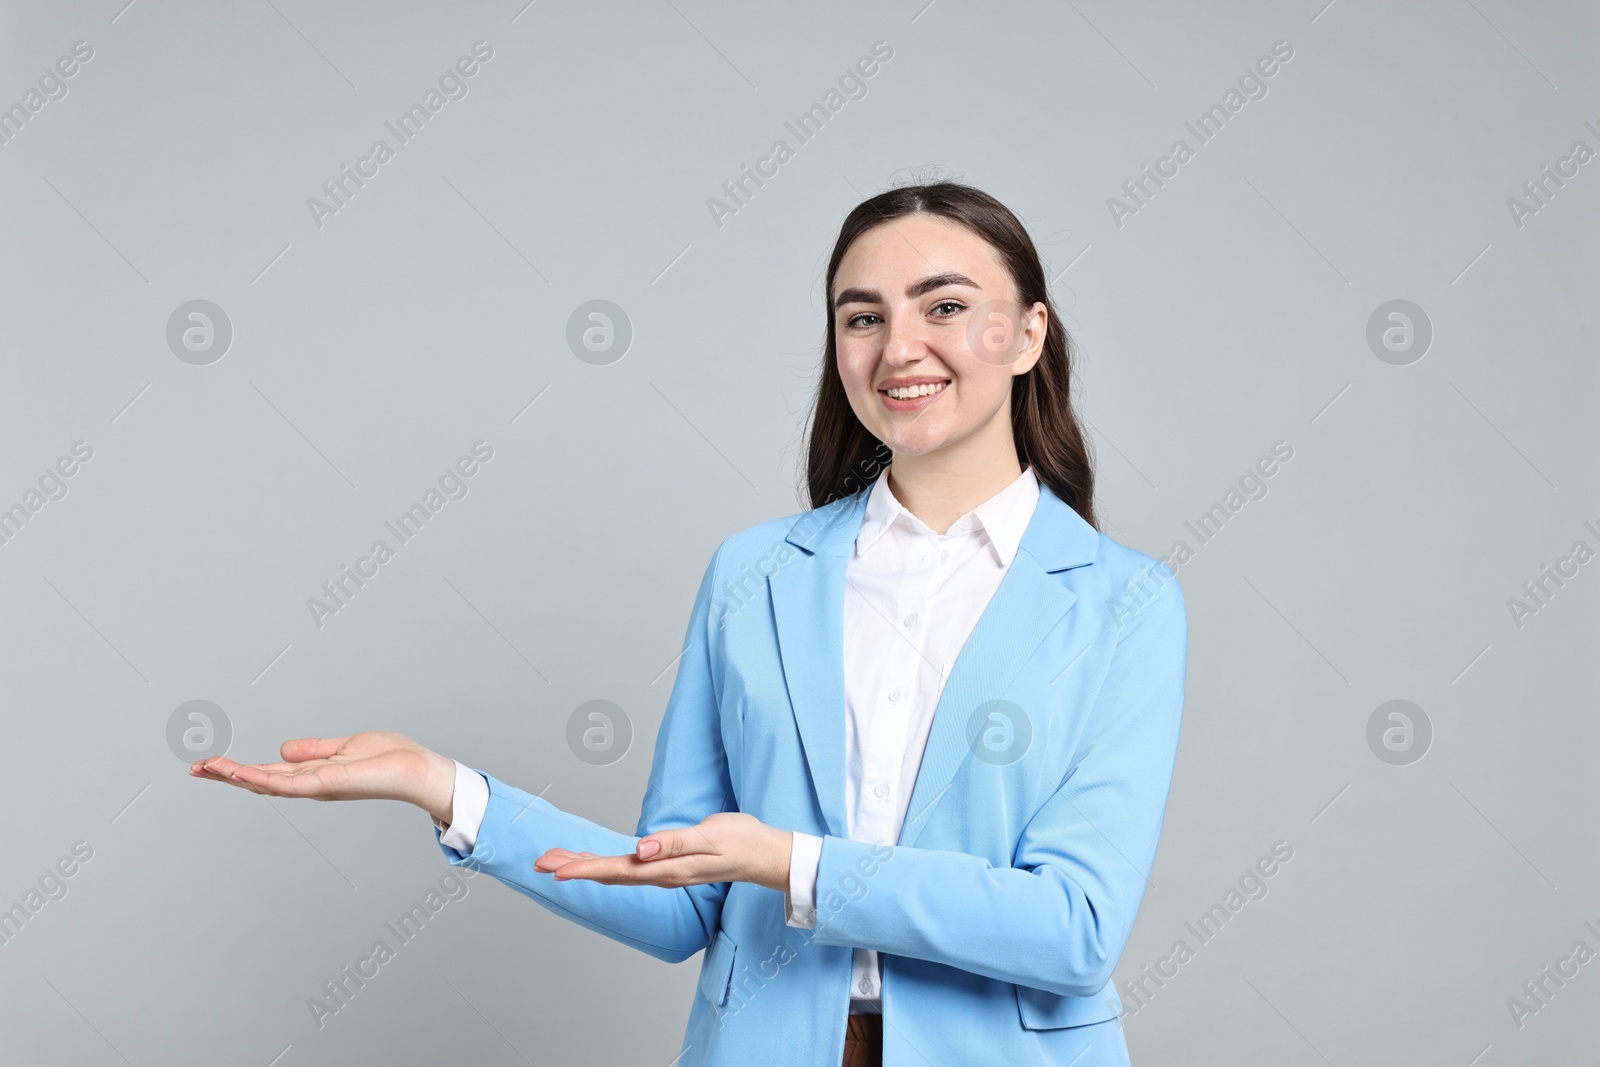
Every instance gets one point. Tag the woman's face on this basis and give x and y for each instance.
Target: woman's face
(920, 301)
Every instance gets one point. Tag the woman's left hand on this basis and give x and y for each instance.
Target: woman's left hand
(730, 846)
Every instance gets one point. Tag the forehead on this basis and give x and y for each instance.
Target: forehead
(916, 246)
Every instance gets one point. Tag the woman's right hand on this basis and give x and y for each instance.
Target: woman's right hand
(372, 765)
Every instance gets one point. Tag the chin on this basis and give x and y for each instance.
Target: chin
(918, 447)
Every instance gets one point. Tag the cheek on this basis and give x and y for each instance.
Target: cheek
(855, 366)
(980, 392)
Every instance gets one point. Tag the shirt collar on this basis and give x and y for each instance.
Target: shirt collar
(1003, 518)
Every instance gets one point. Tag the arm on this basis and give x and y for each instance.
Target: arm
(689, 780)
(1059, 918)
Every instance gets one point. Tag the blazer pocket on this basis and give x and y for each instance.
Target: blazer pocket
(717, 971)
(1043, 1010)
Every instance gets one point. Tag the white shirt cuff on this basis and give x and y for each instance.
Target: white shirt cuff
(470, 801)
(800, 902)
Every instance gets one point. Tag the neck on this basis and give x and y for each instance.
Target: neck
(940, 487)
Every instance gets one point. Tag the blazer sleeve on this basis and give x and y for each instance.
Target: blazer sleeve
(689, 781)
(1059, 917)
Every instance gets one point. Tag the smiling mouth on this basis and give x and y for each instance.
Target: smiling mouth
(911, 392)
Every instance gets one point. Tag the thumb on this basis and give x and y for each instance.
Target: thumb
(659, 846)
(302, 749)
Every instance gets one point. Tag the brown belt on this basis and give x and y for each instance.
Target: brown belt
(863, 1041)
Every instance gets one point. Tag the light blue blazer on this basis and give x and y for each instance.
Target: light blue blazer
(1028, 841)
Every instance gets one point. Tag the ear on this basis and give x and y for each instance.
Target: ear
(1035, 327)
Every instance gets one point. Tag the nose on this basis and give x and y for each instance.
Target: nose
(904, 343)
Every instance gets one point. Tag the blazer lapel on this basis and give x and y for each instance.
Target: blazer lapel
(808, 604)
(1029, 603)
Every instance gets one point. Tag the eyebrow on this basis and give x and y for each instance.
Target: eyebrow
(914, 290)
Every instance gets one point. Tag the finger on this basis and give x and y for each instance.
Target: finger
(280, 768)
(221, 769)
(237, 783)
(608, 870)
(628, 870)
(308, 748)
(215, 777)
(553, 858)
(670, 844)
(224, 769)
(299, 782)
(564, 855)
(219, 765)
(249, 777)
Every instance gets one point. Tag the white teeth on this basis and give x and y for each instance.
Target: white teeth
(914, 391)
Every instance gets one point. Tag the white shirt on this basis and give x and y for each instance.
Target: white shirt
(912, 598)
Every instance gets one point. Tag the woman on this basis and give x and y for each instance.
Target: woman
(908, 786)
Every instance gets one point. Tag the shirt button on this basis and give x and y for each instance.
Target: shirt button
(881, 790)
(944, 553)
(894, 694)
(911, 620)
(865, 986)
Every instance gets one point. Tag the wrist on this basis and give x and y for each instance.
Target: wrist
(438, 791)
(783, 852)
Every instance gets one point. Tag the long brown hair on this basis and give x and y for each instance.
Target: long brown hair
(844, 458)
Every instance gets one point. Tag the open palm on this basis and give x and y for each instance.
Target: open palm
(371, 765)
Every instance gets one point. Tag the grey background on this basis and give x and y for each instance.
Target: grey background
(1229, 313)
